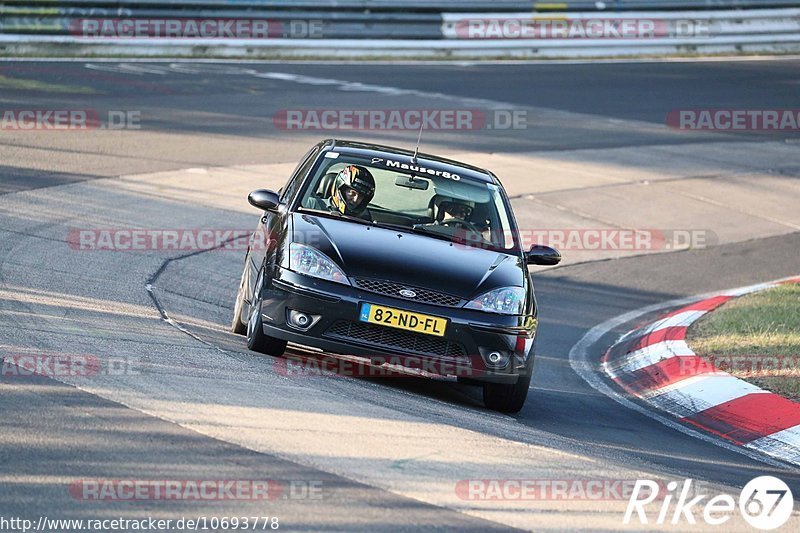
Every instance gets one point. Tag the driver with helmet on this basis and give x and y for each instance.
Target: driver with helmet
(350, 192)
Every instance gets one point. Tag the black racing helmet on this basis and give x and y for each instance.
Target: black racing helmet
(357, 178)
(456, 207)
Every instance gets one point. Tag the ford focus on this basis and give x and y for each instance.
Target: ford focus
(399, 257)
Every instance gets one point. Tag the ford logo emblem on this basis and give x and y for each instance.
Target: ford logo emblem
(408, 293)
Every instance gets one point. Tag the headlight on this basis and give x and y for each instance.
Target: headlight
(311, 262)
(506, 301)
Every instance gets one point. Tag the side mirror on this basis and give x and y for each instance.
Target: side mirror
(542, 255)
(264, 199)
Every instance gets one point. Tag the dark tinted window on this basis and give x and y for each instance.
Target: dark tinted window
(299, 173)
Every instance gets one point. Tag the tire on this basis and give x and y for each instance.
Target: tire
(239, 326)
(256, 339)
(508, 398)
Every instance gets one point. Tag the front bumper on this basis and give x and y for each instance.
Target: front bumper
(463, 351)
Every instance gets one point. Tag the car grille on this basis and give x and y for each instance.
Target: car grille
(395, 339)
(392, 289)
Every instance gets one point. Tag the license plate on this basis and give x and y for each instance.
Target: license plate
(396, 318)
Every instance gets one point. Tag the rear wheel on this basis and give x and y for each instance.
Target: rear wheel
(508, 398)
(256, 339)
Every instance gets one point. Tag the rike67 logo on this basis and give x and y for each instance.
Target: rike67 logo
(765, 503)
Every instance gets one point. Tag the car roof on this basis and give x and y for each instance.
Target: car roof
(404, 156)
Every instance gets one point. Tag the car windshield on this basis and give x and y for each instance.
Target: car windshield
(419, 200)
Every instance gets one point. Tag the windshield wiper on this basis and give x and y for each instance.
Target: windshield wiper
(389, 225)
(483, 244)
(422, 230)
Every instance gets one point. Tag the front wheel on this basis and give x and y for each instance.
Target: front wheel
(508, 398)
(256, 339)
(238, 325)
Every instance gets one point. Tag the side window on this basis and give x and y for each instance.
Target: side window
(299, 173)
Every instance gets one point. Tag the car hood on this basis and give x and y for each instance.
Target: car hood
(365, 251)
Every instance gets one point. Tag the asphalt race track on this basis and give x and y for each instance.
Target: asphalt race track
(386, 453)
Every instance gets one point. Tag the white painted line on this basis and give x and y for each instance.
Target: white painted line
(682, 319)
(675, 389)
(353, 86)
(693, 395)
(647, 356)
(336, 84)
(747, 290)
(783, 444)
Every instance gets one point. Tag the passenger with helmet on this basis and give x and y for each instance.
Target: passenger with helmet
(350, 192)
(456, 209)
(455, 216)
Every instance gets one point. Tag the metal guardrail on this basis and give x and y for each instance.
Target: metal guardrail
(407, 28)
(332, 19)
(331, 7)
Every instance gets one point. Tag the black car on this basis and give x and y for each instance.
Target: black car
(385, 254)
